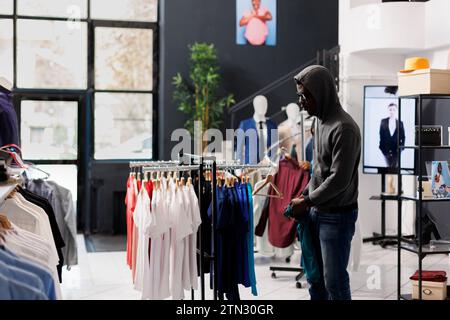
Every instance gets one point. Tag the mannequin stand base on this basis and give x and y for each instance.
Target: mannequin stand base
(301, 273)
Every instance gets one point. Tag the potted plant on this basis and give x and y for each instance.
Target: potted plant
(199, 97)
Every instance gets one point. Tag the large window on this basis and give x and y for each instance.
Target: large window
(123, 59)
(6, 49)
(49, 130)
(106, 52)
(123, 122)
(133, 10)
(6, 6)
(51, 55)
(74, 9)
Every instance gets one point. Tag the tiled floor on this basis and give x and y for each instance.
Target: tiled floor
(105, 276)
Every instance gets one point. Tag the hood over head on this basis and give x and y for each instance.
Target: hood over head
(319, 82)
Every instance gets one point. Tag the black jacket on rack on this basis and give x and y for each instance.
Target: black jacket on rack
(57, 237)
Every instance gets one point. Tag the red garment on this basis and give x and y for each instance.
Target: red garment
(149, 187)
(291, 180)
(433, 276)
(139, 185)
(130, 202)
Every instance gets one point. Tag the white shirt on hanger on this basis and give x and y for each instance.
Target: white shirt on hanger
(140, 216)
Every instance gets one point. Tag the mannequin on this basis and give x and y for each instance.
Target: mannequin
(258, 127)
(9, 129)
(292, 128)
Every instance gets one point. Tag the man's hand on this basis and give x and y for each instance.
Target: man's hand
(299, 207)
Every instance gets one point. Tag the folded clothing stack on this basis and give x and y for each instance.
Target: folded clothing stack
(432, 276)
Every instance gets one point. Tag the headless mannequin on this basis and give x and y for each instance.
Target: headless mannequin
(260, 105)
(290, 132)
(258, 127)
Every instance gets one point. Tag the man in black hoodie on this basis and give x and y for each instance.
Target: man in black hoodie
(331, 198)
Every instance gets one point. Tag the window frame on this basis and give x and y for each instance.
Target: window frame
(90, 90)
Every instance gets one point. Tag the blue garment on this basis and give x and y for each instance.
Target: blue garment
(251, 257)
(332, 235)
(11, 259)
(9, 129)
(309, 150)
(23, 285)
(251, 151)
(11, 289)
(241, 230)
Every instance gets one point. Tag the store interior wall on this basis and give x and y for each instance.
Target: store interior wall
(244, 70)
(303, 27)
(377, 62)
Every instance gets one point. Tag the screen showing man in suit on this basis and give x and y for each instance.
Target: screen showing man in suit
(381, 126)
(388, 136)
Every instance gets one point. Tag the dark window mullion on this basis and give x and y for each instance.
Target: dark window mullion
(123, 91)
(124, 24)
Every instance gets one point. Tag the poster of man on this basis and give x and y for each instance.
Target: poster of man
(256, 22)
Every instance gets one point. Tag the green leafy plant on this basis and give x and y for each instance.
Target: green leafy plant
(199, 98)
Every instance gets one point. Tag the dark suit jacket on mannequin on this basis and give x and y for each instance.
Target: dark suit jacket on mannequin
(249, 156)
(388, 142)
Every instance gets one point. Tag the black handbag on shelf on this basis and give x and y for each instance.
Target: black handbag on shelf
(430, 136)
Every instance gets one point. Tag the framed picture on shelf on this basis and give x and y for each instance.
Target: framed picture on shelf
(440, 179)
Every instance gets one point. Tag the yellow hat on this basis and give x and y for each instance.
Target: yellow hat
(415, 63)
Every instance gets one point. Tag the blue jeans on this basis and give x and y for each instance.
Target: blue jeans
(332, 235)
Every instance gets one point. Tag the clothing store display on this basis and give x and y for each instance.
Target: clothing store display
(205, 227)
(28, 259)
(249, 153)
(167, 217)
(9, 129)
(57, 237)
(291, 180)
(62, 203)
(130, 202)
(234, 258)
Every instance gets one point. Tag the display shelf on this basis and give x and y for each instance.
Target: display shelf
(426, 147)
(414, 247)
(427, 199)
(426, 249)
(386, 196)
(426, 96)
(408, 296)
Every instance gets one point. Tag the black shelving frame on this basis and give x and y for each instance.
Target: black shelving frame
(417, 246)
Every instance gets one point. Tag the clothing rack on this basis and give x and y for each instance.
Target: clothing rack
(162, 166)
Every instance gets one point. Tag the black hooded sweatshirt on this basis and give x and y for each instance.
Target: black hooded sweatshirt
(337, 147)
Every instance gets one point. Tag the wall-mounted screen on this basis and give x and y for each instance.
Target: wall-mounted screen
(381, 127)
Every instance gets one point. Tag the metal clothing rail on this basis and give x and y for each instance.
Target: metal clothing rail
(141, 164)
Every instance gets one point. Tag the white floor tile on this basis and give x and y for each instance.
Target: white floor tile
(105, 276)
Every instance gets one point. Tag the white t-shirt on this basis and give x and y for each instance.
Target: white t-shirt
(141, 216)
(181, 228)
(196, 222)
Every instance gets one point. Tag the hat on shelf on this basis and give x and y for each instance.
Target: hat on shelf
(415, 63)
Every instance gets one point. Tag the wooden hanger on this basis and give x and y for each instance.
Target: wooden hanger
(269, 180)
(5, 223)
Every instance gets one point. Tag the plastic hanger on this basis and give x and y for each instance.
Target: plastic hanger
(6, 224)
